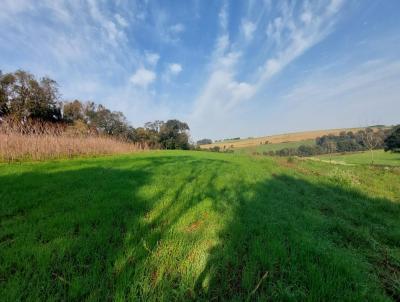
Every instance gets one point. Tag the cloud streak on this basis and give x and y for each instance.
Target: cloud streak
(226, 69)
(288, 35)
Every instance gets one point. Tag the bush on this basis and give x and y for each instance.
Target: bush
(215, 149)
(269, 153)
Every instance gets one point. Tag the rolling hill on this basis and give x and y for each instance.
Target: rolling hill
(276, 139)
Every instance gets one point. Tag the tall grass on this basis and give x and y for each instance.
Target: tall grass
(39, 141)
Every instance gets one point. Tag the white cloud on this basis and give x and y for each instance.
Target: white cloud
(114, 33)
(248, 29)
(290, 33)
(152, 58)
(222, 92)
(177, 28)
(306, 17)
(223, 16)
(171, 70)
(121, 20)
(293, 38)
(143, 77)
(175, 68)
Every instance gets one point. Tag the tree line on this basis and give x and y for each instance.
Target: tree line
(368, 139)
(24, 98)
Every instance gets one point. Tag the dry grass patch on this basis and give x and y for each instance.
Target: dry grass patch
(41, 141)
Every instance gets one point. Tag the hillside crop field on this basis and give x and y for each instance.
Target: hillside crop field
(364, 158)
(186, 225)
(274, 147)
(277, 139)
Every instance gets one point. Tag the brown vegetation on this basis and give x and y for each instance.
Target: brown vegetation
(34, 140)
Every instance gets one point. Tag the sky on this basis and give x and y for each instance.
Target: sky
(227, 68)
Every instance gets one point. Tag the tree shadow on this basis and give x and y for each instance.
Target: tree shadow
(119, 230)
(79, 233)
(290, 239)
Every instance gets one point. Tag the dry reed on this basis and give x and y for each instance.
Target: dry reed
(40, 141)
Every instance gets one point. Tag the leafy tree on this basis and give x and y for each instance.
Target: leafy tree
(73, 111)
(153, 132)
(204, 141)
(23, 97)
(306, 150)
(154, 126)
(215, 149)
(392, 141)
(174, 135)
(6, 82)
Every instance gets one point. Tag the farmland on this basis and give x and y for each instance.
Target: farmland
(364, 158)
(277, 139)
(186, 225)
(274, 147)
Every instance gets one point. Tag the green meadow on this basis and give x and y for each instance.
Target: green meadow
(186, 225)
(365, 158)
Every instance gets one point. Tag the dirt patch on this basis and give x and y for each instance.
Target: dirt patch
(197, 224)
(194, 226)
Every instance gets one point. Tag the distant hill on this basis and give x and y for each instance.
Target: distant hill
(279, 138)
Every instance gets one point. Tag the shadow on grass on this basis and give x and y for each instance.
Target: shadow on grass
(99, 233)
(72, 234)
(290, 239)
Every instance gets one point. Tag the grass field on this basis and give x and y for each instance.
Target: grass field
(167, 226)
(274, 147)
(364, 158)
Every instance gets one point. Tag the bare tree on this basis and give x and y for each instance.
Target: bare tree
(330, 146)
(371, 141)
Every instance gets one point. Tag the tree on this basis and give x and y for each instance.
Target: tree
(154, 126)
(330, 146)
(204, 141)
(109, 122)
(23, 97)
(392, 141)
(370, 141)
(174, 135)
(73, 111)
(6, 82)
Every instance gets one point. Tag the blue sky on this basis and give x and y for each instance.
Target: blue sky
(228, 68)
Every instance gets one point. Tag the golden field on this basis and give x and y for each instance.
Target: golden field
(276, 139)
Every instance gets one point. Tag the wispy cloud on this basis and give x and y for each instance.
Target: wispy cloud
(226, 69)
(85, 47)
(177, 28)
(291, 33)
(323, 87)
(342, 98)
(152, 58)
(248, 29)
(121, 20)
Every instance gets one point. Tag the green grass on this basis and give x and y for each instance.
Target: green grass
(364, 158)
(274, 147)
(168, 226)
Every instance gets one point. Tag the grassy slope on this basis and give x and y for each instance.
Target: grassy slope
(364, 158)
(198, 225)
(274, 147)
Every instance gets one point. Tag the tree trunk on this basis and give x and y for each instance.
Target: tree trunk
(372, 156)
